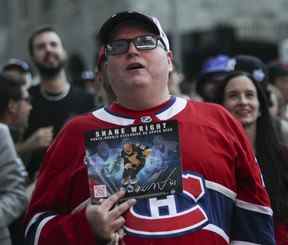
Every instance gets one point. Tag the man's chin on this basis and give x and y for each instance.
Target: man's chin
(49, 71)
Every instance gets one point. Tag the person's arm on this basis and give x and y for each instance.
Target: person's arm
(41, 138)
(61, 187)
(12, 191)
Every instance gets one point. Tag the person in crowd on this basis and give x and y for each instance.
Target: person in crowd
(19, 68)
(106, 93)
(42, 137)
(242, 94)
(278, 76)
(224, 200)
(14, 109)
(259, 71)
(275, 110)
(90, 83)
(276, 99)
(212, 72)
(87, 81)
(54, 100)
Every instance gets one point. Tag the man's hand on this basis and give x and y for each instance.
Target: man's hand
(40, 139)
(106, 218)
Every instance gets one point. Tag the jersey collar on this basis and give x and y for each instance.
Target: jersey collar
(116, 114)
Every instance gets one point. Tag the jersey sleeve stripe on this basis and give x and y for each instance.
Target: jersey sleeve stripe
(243, 243)
(217, 230)
(247, 215)
(36, 225)
(33, 220)
(244, 219)
(254, 207)
(221, 189)
(240, 203)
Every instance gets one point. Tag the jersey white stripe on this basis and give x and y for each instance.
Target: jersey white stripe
(221, 188)
(174, 109)
(217, 230)
(239, 203)
(254, 207)
(243, 243)
(170, 112)
(32, 222)
(40, 227)
(105, 116)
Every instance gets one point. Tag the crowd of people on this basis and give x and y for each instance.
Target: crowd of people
(233, 139)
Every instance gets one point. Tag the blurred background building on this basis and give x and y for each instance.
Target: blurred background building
(197, 28)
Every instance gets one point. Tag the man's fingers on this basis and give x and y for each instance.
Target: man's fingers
(106, 217)
(118, 223)
(122, 208)
(121, 233)
(112, 200)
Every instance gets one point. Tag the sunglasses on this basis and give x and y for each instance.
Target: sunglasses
(121, 46)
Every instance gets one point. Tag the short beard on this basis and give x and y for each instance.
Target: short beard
(49, 72)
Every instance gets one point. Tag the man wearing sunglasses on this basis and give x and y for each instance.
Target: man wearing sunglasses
(223, 200)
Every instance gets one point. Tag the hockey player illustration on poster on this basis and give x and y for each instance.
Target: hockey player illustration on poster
(134, 158)
(142, 159)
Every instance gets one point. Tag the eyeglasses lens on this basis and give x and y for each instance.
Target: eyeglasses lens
(121, 46)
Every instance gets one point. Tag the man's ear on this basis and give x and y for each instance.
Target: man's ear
(105, 65)
(12, 106)
(170, 60)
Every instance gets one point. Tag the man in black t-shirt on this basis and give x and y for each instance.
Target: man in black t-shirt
(54, 100)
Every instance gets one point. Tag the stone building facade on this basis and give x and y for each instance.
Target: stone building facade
(78, 21)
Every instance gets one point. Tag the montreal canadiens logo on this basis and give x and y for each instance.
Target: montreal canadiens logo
(146, 119)
(171, 216)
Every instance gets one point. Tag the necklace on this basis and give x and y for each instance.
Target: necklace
(55, 97)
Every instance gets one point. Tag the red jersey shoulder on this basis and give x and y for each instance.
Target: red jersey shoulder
(211, 115)
(84, 122)
(81, 122)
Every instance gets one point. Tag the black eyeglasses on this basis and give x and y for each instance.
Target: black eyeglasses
(121, 46)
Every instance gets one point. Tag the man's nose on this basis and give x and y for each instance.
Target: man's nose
(48, 47)
(132, 48)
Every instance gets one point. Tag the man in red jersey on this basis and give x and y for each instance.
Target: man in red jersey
(223, 200)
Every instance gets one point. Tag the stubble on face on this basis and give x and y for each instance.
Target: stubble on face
(50, 72)
(49, 55)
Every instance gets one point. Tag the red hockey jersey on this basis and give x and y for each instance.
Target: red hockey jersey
(223, 200)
